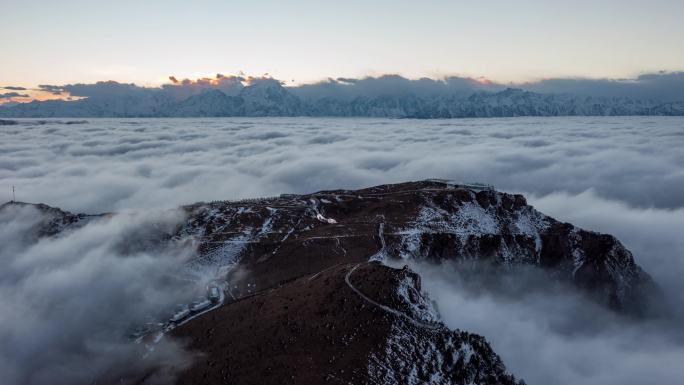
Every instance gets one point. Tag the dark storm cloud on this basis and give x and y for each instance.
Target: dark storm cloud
(391, 85)
(105, 89)
(177, 89)
(667, 86)
(100, 90)
(11, 88)
(51, 88)
(345, 80)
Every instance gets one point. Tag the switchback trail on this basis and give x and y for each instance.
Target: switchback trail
(424, 325)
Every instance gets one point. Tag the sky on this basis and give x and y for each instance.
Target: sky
(49, 42)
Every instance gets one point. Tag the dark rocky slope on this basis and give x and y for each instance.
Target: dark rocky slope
(317, 329)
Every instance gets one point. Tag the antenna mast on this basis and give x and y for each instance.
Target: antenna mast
(14, 198)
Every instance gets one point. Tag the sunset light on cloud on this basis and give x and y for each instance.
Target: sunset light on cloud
(29, 95)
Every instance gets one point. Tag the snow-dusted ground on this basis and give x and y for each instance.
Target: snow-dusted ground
(466, 220)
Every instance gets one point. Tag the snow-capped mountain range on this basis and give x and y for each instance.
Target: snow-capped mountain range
(270, 98)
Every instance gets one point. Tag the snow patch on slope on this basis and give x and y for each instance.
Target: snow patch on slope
(420, 307)
(445, 358)
(468, 222)
(222, 256)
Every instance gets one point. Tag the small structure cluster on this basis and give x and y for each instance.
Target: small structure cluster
(464, 185)
(199, 305)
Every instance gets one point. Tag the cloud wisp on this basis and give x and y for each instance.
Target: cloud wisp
(10, 95)
(653, 235)
(68, 303)
(547, 333)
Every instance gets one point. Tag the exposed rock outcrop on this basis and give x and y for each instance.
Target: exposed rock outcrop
(282, 238)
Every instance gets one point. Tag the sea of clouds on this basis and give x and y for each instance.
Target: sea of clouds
(69, 304)
(548, 333)
(109, 164)
(623, 176)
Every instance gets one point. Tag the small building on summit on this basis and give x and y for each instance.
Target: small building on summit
(450, 184)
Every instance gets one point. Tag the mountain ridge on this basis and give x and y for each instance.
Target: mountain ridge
(270, 98)
(430, 220)
(308, 297)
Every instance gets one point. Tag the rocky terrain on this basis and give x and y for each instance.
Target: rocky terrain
(290, 236)
(310, 300)
(359, 324)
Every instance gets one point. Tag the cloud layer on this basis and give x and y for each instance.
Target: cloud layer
(549, 334)
(10, 95)
(67, 304)
(664, 86)
(106, 165)
(653, 235)
(618, 175)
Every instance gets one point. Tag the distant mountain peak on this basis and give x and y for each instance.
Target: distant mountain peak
(268, 97)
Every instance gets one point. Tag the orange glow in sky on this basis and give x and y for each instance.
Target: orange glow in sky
(37, 95)
(502, 40)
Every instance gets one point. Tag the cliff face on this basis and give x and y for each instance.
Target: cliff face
(308, 300)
